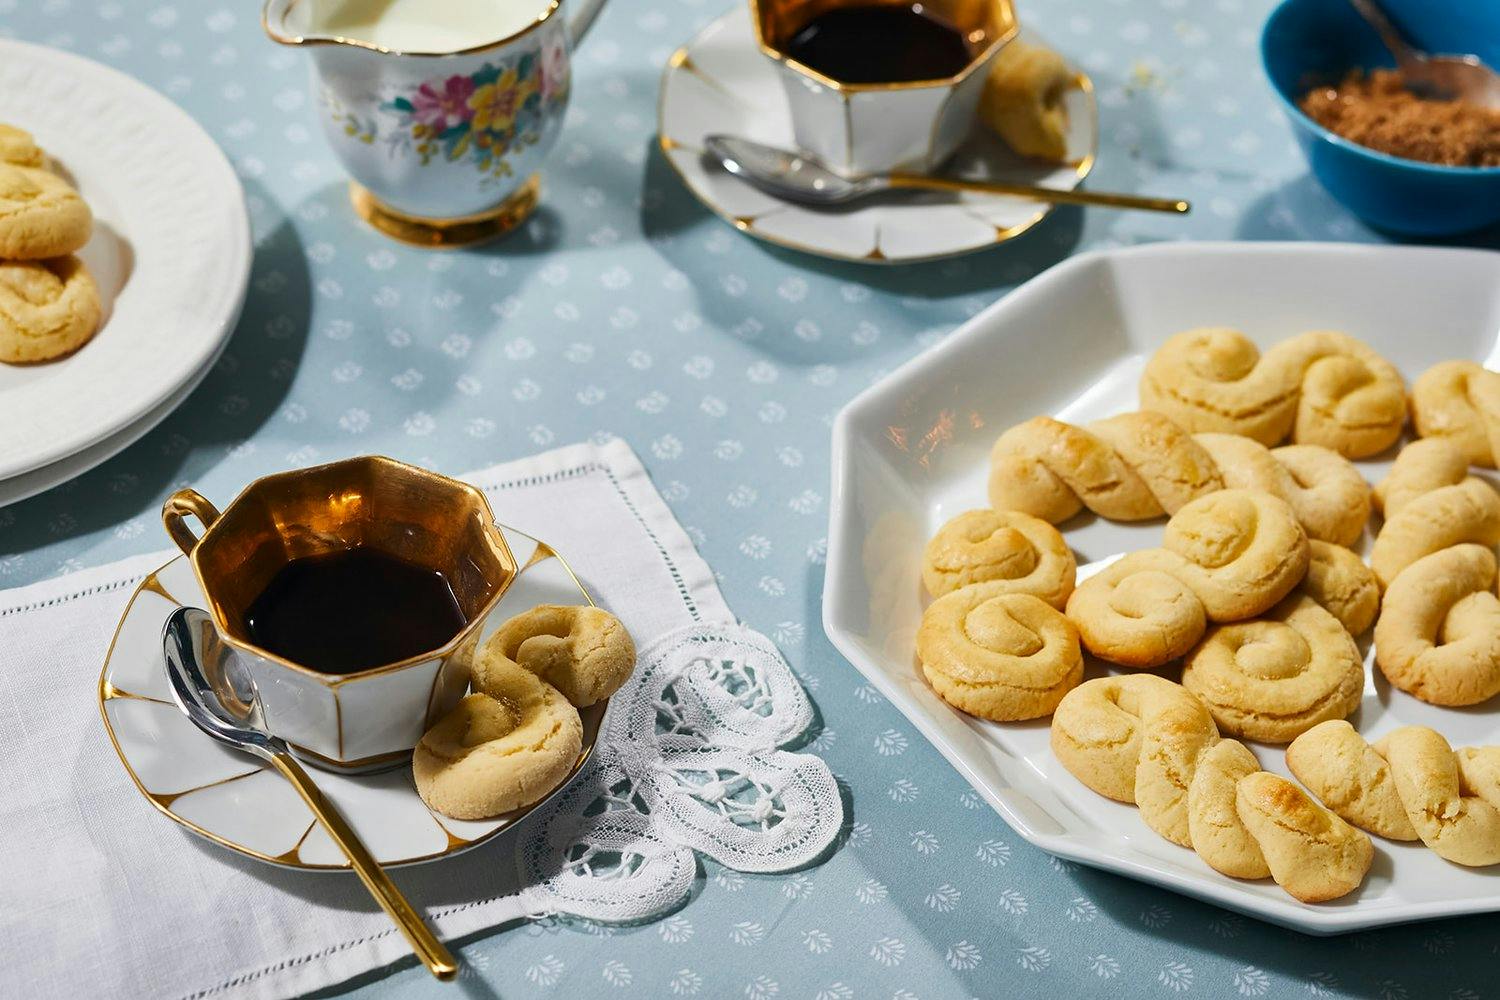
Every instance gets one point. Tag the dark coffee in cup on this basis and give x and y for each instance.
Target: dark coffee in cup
(880, 43)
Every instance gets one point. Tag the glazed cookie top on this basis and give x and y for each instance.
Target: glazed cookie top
(40, 215)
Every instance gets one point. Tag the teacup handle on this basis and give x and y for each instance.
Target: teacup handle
(181, 505)
(582, 19)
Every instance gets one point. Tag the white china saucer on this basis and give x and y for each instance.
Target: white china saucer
(720, 82)
(239, 802)
(170, 252)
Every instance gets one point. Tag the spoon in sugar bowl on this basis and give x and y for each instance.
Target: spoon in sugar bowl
(1445, 77)
(229, 712)
(797, 177)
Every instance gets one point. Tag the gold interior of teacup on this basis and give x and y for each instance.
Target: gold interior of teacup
(984, 23)
(415, 515)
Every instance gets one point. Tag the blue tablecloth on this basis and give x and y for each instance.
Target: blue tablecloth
(625, 308)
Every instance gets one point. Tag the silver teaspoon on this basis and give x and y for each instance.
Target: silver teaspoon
(1448, 78)
(796, 177)
(189, 642)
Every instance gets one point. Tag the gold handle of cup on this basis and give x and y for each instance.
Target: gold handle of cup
(433, 953)
(181, 505)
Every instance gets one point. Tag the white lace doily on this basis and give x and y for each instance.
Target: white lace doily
(689, 760)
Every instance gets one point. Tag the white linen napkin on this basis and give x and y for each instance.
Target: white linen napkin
(103, 896)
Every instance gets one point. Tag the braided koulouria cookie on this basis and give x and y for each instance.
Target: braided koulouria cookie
(1459, 402)
(1274, 677)
(1321, 387)
(1408, 785)
(1143, 465)
(1225, 557)
(1007, 551)
(1143, 740)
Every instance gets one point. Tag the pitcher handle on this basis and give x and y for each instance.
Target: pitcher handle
(582, 19)
(181, 505)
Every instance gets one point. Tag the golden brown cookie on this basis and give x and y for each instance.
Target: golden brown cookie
(1430, 502)
(18, 148)
(1276, 676)
(40, 215)
(1219, 835)
(505, 746)
(1136, 738)
(1312, 853)
(1341, 582)
(1321, 387)
(48, 308)
(1339, 767)
(1142, 465)
(583, 651)
(1000, 656)
(1017, 553)
(1448, 797)
(1023, 100)
(1327, 493)
(1438, 636)
(1459, 402)
(1227, 556)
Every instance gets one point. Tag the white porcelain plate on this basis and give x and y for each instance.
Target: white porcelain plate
(237, 801)
(720, 82)
(170, 252)
(912, 451)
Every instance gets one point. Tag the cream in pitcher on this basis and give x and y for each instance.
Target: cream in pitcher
(442, 111)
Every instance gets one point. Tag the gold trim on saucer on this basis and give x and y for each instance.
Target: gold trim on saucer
(746, 223)
(447, 234)
(300, 40)
(107, 692)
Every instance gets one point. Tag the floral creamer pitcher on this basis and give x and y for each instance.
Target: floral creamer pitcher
(442, 111)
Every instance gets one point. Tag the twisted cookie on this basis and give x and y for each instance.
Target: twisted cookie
(1320, 387)
(1008, 551)
(1272, 678)
(1459, 401)
(48, 308)
(503, 747)
(1438, 636)
(1144, 740)
(1225, 557)
(584, 651)
(1001, 656)
(1430, 503)
(1141, 465)
(40, 215)
(1407, 785)
(1345, 587)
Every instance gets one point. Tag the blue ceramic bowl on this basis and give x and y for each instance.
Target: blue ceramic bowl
(1311, 42)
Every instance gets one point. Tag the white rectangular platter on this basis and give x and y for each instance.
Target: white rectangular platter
(912, 451)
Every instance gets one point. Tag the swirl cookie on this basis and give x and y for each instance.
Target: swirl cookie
(1438, 637)
(1459, 402)
(1339, 767)
(1142, 465)
(48, 309)
(1009, 551)
(582, 651)
(1275, 677)
(1321, 387)
(19, 149)
(1225, 557)
(40, 215)
(1000, 656)
(505, 746)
